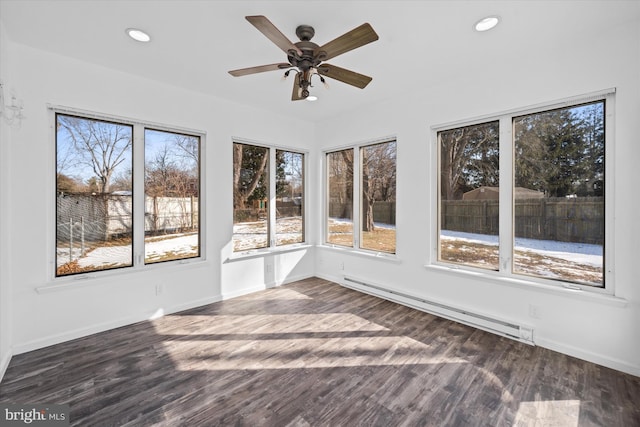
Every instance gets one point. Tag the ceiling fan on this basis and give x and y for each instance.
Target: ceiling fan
(306, 57)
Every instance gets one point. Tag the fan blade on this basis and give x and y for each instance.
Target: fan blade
(272, 33)
(297, 90)
(353, 39)
(345, 76)
(259, 69)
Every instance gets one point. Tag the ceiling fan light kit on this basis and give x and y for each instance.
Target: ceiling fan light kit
(306, 57)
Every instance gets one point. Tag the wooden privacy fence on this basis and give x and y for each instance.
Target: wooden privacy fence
(383, 212)
(102, 217)
(578, 220)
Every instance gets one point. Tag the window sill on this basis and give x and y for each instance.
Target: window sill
(561, 290)
(258, 253)
(382, 256)
(94, 278)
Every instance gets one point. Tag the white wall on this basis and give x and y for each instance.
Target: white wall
(590, 328)
(80, 307)
(5, 218)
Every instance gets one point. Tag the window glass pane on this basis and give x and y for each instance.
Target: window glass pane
(559, 194)
(172, 196)
(94, 190)
(378, 175)
(289, 197)
(340, 197)
(469, 171)
(250, 197)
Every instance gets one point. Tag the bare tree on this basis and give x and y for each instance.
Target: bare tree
(378, 178)
(100, 145)
(188, 148)
(468, 158)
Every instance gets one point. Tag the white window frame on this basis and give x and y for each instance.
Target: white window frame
(271, 226)
(138, 242)
(505, 274)
(357, 200)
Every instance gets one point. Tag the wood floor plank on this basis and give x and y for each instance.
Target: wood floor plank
(313, 353)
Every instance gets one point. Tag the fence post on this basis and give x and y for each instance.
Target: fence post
(192, 214)
(81, 236)
(70, 240)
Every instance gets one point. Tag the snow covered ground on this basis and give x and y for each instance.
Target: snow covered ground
(571, 261)
(178, 245)
(252, 235)
(581, 253)
(248, 235)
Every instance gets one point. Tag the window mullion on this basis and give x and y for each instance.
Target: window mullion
(357, 198)
(271, 223)
(138, 198)
(506, 180)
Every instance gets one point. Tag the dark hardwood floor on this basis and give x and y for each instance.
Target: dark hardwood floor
(313, 353)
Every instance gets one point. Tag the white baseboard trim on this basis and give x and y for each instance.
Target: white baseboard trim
(291, 279)
(194, 304)
(4, 363)
(329, 277)
(105, 326)
(599, 359)
(246, 291)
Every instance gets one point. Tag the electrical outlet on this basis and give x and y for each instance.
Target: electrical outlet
(534, 311)
(268, 268)
(341, 265)
(159, 289)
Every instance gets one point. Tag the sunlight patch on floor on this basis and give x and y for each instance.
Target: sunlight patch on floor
(275, 294)
(548, 413)
(302, 353)
(285, 341)
(271, 324)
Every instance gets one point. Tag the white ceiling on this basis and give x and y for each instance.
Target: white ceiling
(422, 43)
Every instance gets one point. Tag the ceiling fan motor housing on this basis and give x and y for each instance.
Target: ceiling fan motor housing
(307, 56)
(310, 58)
(305, 32)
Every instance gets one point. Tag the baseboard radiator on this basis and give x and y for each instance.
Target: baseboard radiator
(497, 326)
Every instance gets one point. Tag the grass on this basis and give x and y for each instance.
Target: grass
(525, 262)
(379, 240)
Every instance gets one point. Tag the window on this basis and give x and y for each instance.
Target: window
(96, 214)
(375, 167)
(469, 173)
(289, 197)
(172, 194)
(550, 165)
(254, 169)
(378, 202)
(340, 198)
(559, 194)
(94, 210)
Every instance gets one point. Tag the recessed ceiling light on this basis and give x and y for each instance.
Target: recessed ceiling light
(485, 24)
(138, 35)
(312, 98)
